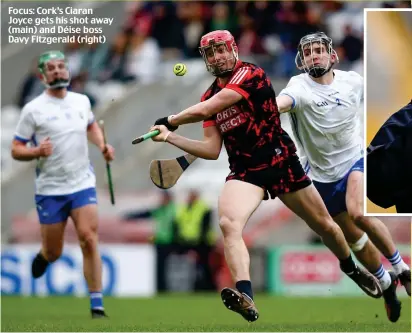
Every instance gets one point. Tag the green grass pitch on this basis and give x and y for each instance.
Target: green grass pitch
(201, 312)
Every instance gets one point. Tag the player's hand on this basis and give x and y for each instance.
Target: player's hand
(165, 121)
(108, 153)
(45, 147)
(164, 132)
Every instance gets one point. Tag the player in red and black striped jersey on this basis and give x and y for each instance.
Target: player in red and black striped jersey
(251, 129)
(240, 110)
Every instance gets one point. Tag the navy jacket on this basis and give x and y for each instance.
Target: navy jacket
(389, 163)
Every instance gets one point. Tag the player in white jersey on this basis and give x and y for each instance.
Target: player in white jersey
(323, 106)
(59, 123)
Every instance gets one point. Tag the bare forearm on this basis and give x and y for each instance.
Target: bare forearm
(201, 149)
(193, 114)
(23, 153)
(285, 103)
(204, 110)
(95, 136)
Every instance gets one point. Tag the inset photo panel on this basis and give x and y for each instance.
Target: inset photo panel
(388, 125)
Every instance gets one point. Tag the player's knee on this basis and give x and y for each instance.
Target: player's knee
(357, 216)
(88, 240)
(52, 254)
(230, 228)
(360, 243)
(327, 227)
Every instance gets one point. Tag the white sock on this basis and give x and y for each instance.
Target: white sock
(397, 263)
(384, 278)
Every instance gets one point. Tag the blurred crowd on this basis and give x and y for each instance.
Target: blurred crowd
(164, 30)
(158, 31)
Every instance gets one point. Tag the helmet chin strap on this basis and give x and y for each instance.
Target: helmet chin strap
(318, 72)
(58, 84)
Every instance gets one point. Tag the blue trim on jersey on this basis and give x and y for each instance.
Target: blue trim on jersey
(33, 139)
(91, 168)
(307, 167)
(21, 139)
(91, 121)
(295, 127)
(293, 99)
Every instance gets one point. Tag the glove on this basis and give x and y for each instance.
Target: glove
(164, 121)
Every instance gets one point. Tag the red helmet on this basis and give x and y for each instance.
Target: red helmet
(213, 40)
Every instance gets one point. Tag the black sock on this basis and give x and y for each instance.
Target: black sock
(347, 265)
(39, 265)
(42, 258)
(245, 286)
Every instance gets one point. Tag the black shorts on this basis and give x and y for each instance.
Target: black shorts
(286, 176)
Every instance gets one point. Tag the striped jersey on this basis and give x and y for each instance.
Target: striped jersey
(251, 129)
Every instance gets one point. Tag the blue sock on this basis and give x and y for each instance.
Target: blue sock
(383, 277)
(96, 300)
(380, 272)
(397, 263)
(395, 258)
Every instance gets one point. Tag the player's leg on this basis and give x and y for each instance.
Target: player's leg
(237, 202)
(308, 205)
(334, 196)
(53, 213)
(359, 243)
(369, 256)
(85, 218)
(375, 228)
(52, 236)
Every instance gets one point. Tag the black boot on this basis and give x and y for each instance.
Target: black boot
(96, 314)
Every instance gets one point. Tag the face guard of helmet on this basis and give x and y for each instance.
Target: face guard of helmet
(219, 52)
(53, 68)
(316, 55)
